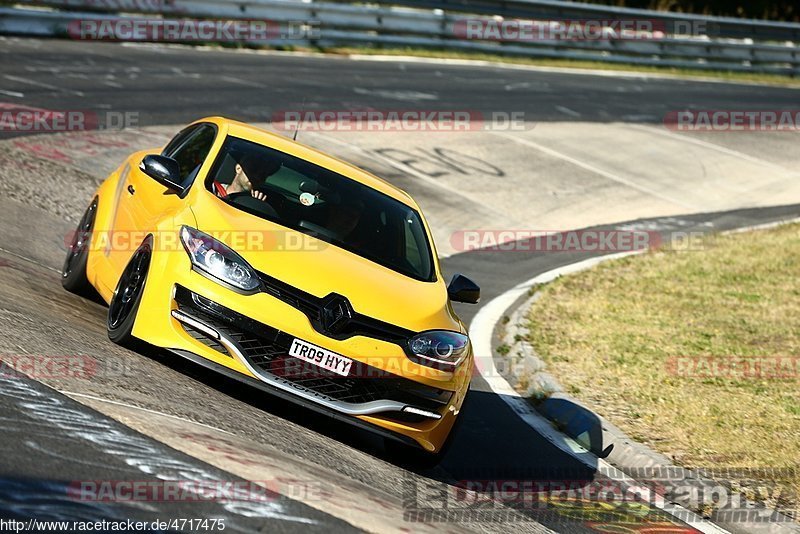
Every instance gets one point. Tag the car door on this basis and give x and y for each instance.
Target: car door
(144, 202)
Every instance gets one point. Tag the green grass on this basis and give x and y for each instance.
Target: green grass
(727, 76)
(610, 333)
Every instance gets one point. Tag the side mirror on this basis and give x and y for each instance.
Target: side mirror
(462, 289)
(163, 170)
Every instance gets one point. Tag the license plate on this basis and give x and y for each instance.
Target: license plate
(318, 356)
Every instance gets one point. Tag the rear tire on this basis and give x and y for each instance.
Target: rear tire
(73, 273)
(127, 296)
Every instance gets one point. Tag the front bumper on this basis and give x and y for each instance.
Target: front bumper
(385, 392)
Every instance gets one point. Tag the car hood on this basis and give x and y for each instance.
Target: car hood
(320, 268)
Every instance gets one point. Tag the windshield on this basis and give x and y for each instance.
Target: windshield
(311, 199)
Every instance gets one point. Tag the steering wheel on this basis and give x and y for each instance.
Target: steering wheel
(248, 201)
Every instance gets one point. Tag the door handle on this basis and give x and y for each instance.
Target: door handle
(131, 190)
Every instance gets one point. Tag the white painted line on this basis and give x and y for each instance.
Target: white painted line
(403, 96)
(712, 146)
(765, 226)
(25, 258)
(246, 83)
(642, 117)
(567, 111)
(15, 94)
(616, 74)
(131, 406)
(191, 75)
(480, 332)
(595, 170)
(407, 170)
(482, 326)
(69, 459)
(518, 85)
(43, 85)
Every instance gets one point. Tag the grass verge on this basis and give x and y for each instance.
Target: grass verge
(691, 74)
(632, 338)
(725, 76)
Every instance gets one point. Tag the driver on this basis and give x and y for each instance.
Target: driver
(251, 173)
(344, 218)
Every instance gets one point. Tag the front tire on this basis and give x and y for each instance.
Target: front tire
(73, 273)
(127, 296)
(411, 457)
(418, 458)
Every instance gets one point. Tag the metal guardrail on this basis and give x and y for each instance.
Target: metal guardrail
(725, 27)
(390, 26)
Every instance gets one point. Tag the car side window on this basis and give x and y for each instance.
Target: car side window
(179, 139)
(190, 151)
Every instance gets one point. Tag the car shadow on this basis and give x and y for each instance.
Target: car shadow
(498, 469)
(576, 421)
(492, 447)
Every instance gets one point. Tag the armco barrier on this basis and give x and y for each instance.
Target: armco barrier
(337, 23)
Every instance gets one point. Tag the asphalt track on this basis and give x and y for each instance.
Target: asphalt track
(45, 449)
(174, 86)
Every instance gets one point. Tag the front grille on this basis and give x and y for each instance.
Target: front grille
(266, 349)
(312, 307)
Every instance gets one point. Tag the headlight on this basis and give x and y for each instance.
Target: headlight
(439, 348)
(218, 260)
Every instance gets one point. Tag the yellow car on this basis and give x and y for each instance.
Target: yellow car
(285, 268)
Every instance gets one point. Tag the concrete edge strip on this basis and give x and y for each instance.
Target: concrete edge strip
(609, 73)
(547, 383)
(759, 227)
(482, 328)
(77, 396)
(219, 458)
(46, 406)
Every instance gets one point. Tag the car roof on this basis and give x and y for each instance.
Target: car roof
(264, 137)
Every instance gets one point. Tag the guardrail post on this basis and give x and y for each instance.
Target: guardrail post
(432, 27)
